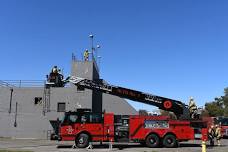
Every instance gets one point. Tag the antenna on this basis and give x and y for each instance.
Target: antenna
(92, 48)
(99, 63)
(94, 51)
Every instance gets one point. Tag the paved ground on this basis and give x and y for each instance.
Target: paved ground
(54, 146)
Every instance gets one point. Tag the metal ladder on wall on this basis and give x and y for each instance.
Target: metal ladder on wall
(46, 97)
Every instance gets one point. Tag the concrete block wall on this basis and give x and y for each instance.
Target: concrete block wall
(82, 69)
(30, 121)
(73, 98)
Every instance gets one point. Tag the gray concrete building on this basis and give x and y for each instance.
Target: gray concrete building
(36, 106)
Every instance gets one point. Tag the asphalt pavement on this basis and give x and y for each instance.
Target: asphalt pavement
(55, 146)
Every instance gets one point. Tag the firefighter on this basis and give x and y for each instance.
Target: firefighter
(53, 74)
(60, 74)
(54, 69)
(218, 134)
(56, 77)
(211, 135)
(86, 55)
(59, 79)
(192, 107)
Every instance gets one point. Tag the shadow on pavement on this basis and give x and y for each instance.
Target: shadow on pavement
(118, 146)
(124, 146)
(64, 146)
(189, 145)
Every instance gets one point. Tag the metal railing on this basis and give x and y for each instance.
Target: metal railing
(5, 84)
(22, 83)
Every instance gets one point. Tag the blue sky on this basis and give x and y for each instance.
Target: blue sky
(175, 48)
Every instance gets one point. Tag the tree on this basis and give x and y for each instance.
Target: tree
(218, 107)
(214, 109)
(225, 102)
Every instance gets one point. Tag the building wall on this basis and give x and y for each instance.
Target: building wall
(30, 121)
(33, 123)
(82, 69)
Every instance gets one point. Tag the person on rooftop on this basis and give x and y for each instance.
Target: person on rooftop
(86, 55)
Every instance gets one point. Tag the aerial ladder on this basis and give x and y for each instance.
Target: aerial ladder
(177, 107)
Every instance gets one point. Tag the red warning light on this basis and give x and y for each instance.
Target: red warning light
(167, 104)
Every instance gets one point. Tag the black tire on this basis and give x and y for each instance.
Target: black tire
(170, 141)
(152, 141)
(82, 140)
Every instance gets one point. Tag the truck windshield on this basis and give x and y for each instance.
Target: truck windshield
(86, 117)
(70, 118)
(224, 122)
(62, 119)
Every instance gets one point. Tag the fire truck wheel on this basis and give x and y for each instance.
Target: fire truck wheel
(152, 141)
(82, 140)
(170, 141)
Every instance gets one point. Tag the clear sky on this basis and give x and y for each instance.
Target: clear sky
(172, 48)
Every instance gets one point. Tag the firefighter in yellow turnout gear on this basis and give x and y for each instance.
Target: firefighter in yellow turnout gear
(86, 55)
(192, 108)
(218, 134)
(211, 135)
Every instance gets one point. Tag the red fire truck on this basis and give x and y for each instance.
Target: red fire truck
(84, 126)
